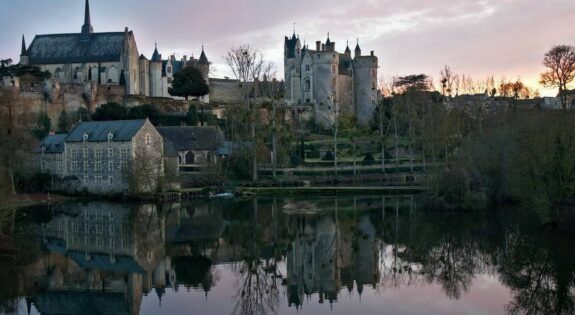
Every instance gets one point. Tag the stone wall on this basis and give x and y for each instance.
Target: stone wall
(225, 92)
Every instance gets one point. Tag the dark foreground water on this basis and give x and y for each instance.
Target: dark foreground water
(372, 255)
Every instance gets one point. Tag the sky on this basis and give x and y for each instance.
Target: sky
(503, 38)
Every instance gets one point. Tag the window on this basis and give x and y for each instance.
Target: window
(169, 70)
(333, 69)
(86, 179)
(85, 137)
(98, 180)
(85, 153)
(307, 67)
(124, 153)
(169, 80)
(97, 153)
(73, 153)
(98, 166)
(123, 166)
(110, 166)
(74, 166)
(110, 153)
(307, 86)
(85, 166)
(110, 180)
(110, 136)
(59, 166)
(148, 139)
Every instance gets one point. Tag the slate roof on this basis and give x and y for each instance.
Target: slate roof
(123, 130)
(176, 66)
(203, 59)
(52, 144)
(291, 45)
(103, 262)
(170, 149)
(76, 48)
(193, 138)
(81, 302)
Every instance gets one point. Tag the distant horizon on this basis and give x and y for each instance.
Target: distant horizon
(505, 38)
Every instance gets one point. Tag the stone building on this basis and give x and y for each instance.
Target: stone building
(109, 156)
(330, 81)
(109, 58)
(196, 146)
(50, 157)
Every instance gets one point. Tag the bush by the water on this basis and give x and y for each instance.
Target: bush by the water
(519, 156)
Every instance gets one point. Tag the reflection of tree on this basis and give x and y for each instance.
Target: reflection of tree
(257, 277)
(540, 273)
(258, 291)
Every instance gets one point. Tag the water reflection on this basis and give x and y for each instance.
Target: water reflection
(276, 255)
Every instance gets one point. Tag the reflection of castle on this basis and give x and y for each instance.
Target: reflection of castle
(100, 261)
(327, 253)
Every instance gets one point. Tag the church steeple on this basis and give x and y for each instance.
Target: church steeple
(23, 51)
(87, 27)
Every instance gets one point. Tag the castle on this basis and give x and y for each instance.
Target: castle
(105, 59)
(332, 82)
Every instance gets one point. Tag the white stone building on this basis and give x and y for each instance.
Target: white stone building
(110, 58)
(331, 82)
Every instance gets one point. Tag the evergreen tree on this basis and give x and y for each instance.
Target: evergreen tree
(192, 115)
(189, 82)
(63, 122)
(110, 111)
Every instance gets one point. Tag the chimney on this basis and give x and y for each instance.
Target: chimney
(322, 47)
(372, 53)
(317, 45)
(185, 58)
(173, 57)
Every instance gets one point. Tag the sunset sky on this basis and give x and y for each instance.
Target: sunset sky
(505, 38)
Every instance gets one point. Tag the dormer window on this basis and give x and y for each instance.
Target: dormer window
(85, 137)
(110, 136)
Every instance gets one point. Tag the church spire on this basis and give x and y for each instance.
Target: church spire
(87, 27)
(23, 51)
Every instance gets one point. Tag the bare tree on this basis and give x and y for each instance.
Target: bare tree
(448, 79)
(248, 66)
(17, 141)
(561, 63)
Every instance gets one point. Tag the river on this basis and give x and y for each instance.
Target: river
(323, 255)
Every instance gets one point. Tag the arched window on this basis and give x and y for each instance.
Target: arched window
(58, 74)
(94, 73)
(189, 159)
(76, 73)
(112, 75)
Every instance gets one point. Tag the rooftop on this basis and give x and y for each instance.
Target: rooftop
(97, 131)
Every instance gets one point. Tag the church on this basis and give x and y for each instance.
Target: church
(109, 58)
(331, 82)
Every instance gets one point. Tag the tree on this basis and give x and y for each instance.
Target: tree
(17, 141)
(145, 111)
(248, 66)
(110, 111)
(192, 115)
(64, 122)
(189, 82)
(561, 63)
(43, 126)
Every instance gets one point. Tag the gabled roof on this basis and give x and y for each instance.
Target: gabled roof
(52, 144)
(76, 48)
(193, 138)
(97, 131)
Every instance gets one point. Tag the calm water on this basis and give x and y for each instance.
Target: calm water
(371, 255)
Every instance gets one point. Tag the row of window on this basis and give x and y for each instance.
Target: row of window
(98, 153)
(98, 180)
(98, 166)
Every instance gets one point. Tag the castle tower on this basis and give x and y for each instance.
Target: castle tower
(347, 50)
(357, 50)
(365, 86)
(23, 53)
(204, 65)
(156, 74)
(144, 66)
(87, 27)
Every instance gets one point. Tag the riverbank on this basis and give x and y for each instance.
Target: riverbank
(27, 200)
(329, 191)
